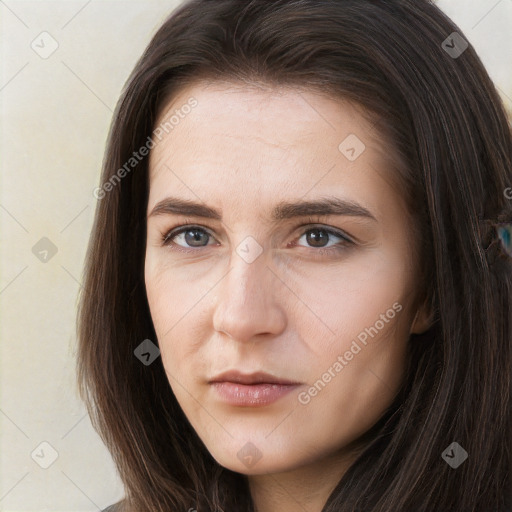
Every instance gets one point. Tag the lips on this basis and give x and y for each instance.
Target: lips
(251, 390)
(251, 378)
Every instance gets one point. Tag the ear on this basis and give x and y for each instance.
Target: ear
(423, 319)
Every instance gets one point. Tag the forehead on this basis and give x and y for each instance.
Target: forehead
(283, 116)
(278, 141)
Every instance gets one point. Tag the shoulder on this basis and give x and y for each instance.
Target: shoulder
(113, 508)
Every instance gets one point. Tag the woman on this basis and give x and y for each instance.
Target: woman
(231, 359)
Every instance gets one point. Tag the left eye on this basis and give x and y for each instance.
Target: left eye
(318, 235)
(194, 236)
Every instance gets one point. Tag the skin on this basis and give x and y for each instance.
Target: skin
(294, 309)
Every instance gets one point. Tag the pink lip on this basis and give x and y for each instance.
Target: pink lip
(251, 395)
(255, 389)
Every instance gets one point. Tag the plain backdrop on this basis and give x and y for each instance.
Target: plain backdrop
(63, 64)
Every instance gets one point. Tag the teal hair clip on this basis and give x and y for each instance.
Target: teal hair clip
(505, 235)
(496, 240)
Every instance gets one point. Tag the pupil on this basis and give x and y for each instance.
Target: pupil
(317, 238)
(196, 236)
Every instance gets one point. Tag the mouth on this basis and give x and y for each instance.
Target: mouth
(251, 390)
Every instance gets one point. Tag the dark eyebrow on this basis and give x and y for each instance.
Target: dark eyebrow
(282, 211)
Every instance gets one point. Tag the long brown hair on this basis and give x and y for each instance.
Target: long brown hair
(445, 119)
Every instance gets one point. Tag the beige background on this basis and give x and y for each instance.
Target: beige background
(54, 119)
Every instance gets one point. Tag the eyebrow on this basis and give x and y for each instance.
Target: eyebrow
(282, 211)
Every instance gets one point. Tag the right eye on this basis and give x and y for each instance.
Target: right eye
(187, 237)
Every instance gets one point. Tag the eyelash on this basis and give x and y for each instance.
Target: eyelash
(183, 228)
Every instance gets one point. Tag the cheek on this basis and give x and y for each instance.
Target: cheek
(339, 302)
(171, 292)
(174, 299)
(354, 400)
(362, 357)
(353, 382)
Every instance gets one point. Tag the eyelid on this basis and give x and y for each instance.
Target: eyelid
(331, 230)
(177, 230)
(346, 242)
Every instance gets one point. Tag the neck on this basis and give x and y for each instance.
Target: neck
(304, 488)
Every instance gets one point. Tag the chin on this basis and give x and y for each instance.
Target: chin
(269, 466)
(259, 456)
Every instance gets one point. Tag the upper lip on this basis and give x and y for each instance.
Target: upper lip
(250, 378)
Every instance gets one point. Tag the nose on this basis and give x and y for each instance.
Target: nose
(247, 301)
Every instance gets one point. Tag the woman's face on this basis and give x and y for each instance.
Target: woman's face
(297, 263)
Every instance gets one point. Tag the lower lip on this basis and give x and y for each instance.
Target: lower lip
(252, 395)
